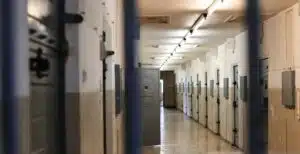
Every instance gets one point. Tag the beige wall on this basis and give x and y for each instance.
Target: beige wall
(281, 45)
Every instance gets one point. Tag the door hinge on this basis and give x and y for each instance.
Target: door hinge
(235, 130)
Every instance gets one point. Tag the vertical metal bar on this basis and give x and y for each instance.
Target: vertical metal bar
(8, 55)
(255, 119)
(133, 105)
(62, 50)
(104, 70)
(1, 90)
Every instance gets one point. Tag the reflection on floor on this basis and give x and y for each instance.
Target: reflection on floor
(181, 135)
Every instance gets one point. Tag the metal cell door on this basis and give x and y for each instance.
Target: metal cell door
(218, 102)
(182, 96)
(198, 97)
(264, 69)
(186, 89)
(190, 97)
(43, 77)
(235, 104)
(150, 106)
(206, 100)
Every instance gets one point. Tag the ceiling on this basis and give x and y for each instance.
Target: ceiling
(166, 22)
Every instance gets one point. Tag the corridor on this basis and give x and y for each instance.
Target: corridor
(182, 135)
(88, 76)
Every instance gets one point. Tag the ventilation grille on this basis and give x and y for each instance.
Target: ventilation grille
(155, 20)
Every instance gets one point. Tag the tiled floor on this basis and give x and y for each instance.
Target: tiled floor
(181, 135)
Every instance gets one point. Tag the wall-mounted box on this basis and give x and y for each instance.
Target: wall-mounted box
(226, 88)
(243, 88)
(212, 88)
(288, 89)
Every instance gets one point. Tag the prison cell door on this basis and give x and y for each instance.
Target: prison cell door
(43, 80)
(218, 102)
(206, 100)
(235, 104)
(198, 98)
(191, 97)
(185, 103)
(182, 95)
(150, 80)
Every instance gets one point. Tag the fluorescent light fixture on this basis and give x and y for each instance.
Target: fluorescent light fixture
(189, 34)
(174, 51)
(188, 46)
(158, 58)
(181, 43)
(167, 47)
(214, 6)
(198, 23)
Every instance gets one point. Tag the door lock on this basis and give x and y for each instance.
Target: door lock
(39, 65)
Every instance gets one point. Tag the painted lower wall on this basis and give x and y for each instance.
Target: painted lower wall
(280, 44)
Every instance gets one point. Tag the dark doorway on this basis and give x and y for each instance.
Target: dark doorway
(169, 99)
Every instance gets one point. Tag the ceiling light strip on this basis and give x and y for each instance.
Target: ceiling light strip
(200, 20)
(214, 6)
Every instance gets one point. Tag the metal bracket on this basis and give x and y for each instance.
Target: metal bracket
(73, 18)
(235, 105)
(235, 130)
